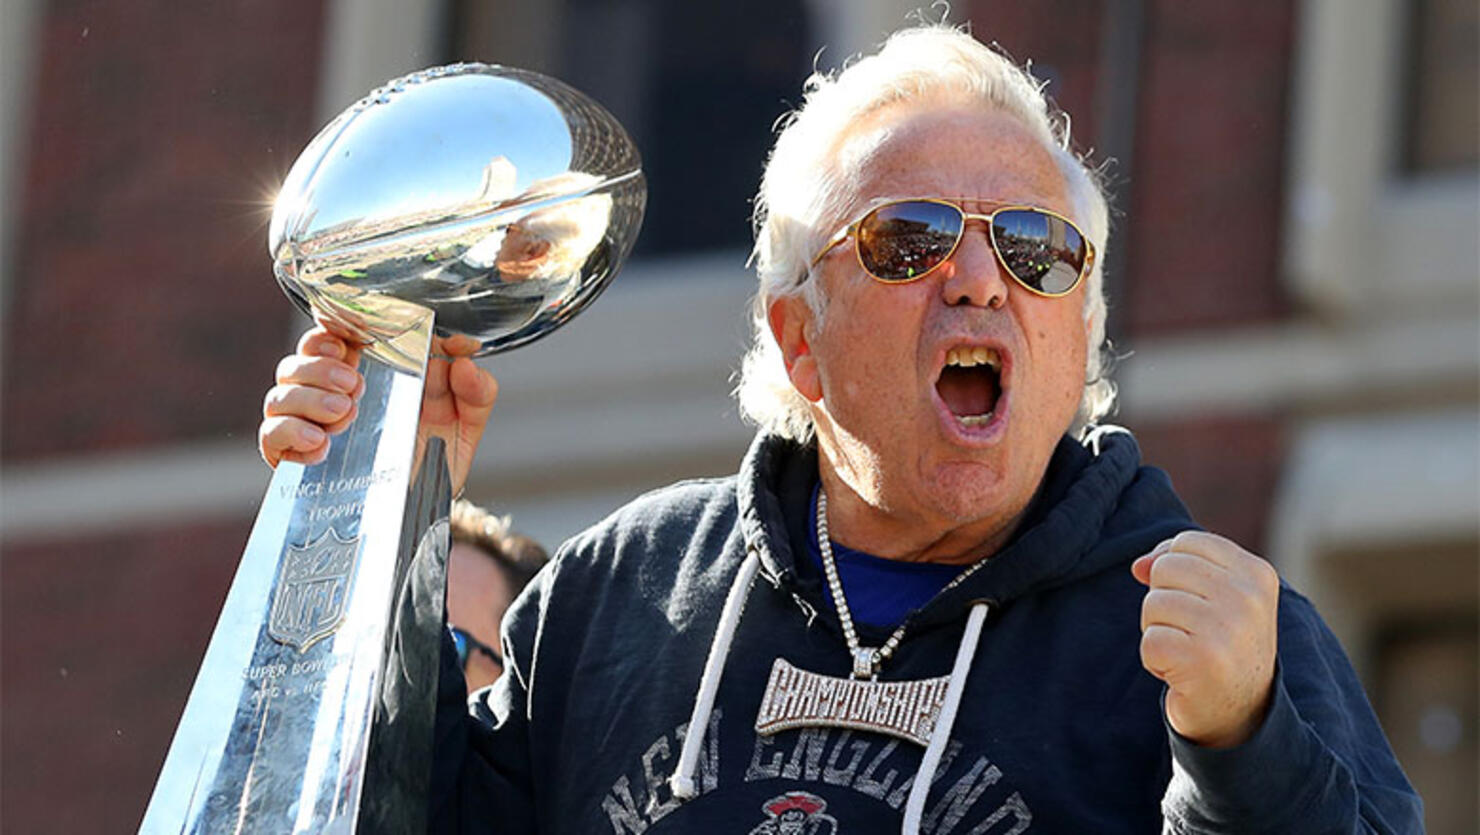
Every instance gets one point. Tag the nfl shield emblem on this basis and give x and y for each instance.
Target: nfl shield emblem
(312, 589)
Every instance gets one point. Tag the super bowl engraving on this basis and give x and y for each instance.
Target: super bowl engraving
(312, 590)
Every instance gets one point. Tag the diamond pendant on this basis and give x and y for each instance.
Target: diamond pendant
(796, 698)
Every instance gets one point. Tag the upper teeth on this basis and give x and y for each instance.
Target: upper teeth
(974, 355)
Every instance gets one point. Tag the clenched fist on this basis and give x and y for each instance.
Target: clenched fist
(1208, 629)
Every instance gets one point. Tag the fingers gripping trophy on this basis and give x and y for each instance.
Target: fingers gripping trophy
(458, 211)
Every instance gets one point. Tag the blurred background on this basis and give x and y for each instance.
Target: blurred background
(1293, 276)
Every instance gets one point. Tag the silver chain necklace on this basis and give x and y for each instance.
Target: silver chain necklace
(797, 698)
(866, 660)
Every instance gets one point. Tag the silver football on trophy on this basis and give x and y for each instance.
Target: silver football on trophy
(501, 199)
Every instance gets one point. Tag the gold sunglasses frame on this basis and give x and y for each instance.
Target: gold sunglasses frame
(851, 230)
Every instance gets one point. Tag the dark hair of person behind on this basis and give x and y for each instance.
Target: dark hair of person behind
(517, 556)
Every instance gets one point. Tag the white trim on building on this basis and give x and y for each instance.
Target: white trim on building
(1379, 513)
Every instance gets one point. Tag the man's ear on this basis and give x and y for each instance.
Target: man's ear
(791, 323)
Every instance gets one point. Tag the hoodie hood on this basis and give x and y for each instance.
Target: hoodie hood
(1099, 508)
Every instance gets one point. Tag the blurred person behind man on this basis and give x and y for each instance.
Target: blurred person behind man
(487, 566)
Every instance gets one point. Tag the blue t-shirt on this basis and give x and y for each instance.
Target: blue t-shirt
(880, 592)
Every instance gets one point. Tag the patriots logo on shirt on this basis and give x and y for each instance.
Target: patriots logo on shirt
(796, 813)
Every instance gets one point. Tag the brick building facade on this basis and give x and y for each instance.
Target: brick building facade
(1302, 344)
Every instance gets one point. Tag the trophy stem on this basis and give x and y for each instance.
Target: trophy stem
(398, 763)
(326, 645)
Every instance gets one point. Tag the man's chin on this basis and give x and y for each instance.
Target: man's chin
(969, 491)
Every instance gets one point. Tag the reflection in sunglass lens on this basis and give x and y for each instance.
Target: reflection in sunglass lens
(902, 241)
(1042, 251)
(460, 641)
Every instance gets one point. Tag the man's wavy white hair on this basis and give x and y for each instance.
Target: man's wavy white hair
(804, 195)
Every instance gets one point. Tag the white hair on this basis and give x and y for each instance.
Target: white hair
(803, 196)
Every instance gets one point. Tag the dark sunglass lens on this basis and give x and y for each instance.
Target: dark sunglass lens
(902, 241)
(1042, 251)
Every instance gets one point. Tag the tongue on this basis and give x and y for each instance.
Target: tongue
(968, 391)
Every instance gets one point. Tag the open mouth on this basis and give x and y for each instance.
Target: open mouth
(971, 383)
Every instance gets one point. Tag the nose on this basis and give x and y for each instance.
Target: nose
(973, 275)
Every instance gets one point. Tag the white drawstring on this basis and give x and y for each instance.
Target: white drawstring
(683, 783)
(1099, 433)
(941, 734)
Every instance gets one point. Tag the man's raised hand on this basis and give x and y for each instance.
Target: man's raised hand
(318, 390)
(456, 402)
(317, 395)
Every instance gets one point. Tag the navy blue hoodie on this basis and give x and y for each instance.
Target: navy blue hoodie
(1060, 729)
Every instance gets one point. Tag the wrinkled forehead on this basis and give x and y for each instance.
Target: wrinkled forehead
(945, 150)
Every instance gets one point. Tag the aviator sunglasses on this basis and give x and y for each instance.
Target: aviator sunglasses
(903, 240)
(466, 645)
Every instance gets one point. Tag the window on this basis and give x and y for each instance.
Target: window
(1443, 131)
(698, 85)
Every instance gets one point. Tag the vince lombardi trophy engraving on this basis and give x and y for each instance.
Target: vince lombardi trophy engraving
(473, 200)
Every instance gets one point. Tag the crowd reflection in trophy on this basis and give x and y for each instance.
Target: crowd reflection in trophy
(532, 259)
(543, 250)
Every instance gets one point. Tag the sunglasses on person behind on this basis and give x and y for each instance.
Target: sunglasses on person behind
(466, 645)
(904, 240)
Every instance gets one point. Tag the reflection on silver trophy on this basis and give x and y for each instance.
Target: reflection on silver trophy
(470, 200)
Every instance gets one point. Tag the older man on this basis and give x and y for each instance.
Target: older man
(922, 603)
